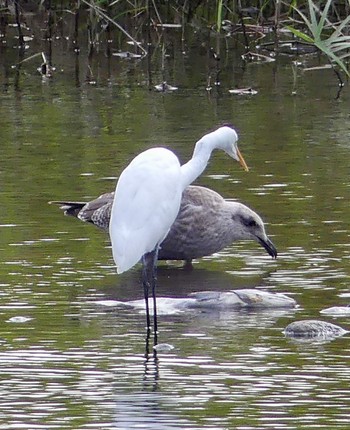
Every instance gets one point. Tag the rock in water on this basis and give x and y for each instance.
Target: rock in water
(313, 329)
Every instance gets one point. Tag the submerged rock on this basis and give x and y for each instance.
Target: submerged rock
(163, 347)
(336, 311)
(313, 329)
(19, 319)
(251, 299)
(244, 298)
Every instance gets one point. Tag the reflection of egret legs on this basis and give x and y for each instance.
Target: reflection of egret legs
(147, 344)
(187, 266)
(149, 278)
(151, 373)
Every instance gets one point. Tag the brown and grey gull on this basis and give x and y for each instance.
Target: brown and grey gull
(206, 223)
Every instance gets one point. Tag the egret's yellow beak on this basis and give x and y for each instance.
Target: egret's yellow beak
(241, 161)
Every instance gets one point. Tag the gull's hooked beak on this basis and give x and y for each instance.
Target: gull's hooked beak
(268, 245)
(242, 161)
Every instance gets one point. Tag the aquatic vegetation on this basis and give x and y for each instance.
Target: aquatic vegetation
(259, 34)
(336, 45)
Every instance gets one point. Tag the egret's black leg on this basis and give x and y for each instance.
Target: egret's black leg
(145, 283)
(154, 255)
(149, 277)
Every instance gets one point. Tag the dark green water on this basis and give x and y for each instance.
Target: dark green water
(67, 362)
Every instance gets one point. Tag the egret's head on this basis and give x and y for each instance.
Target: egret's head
(226, 139)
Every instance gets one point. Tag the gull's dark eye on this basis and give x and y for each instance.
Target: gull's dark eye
(252, 223)
(248, 222)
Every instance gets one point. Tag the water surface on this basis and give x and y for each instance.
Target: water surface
(67, 362)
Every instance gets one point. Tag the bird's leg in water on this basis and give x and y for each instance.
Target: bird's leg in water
(154, 255)
(150, 279)
(145, 282)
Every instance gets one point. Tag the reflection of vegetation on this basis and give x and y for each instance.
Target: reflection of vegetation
(154, 12)
(145, 25)
(204, 11)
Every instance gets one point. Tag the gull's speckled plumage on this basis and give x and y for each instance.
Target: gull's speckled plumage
(206, 223)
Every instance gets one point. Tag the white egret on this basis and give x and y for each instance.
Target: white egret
(147, 200)
(205, 224)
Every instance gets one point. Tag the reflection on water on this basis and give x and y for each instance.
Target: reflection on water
(68, 363)
(148, 411)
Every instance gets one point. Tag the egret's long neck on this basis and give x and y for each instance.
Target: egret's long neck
(195, 166)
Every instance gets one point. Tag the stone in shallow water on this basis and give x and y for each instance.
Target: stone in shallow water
(336, 311)
(249, 298)
(19, 319)
(163, 347)
(313, 329)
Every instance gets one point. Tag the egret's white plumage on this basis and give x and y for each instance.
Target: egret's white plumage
(146, 203)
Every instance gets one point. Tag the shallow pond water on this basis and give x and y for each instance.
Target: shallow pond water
(68, 362)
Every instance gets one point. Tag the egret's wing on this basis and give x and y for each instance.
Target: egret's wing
(147, 200)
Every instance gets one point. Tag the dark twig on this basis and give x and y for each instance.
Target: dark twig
(18, 22)
(241, 18)
(76, 28)
(100, 13)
